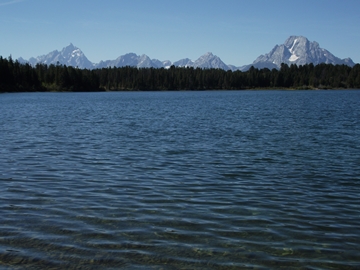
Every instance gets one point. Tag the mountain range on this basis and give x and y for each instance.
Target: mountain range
(295, 50)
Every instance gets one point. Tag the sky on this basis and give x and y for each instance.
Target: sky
(238, 31)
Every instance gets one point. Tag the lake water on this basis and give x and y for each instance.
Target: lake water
(180, 180)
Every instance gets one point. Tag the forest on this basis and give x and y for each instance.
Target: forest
(19, 77)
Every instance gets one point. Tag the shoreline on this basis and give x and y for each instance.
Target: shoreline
(186, 90)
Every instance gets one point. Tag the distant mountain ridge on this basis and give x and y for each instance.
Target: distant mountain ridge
(70, 56)
(300, 51)
(296, 50)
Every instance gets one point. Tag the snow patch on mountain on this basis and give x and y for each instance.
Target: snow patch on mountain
(292, 47)
(293, 58)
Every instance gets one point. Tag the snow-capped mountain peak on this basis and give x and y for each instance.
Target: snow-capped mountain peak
(297, 50)
(69, 49)
(70, 56)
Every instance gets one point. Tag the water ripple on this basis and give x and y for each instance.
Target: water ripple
(180, 180)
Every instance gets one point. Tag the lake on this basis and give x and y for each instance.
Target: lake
(180, 180)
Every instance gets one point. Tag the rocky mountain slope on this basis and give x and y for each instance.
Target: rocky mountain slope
(297, 50)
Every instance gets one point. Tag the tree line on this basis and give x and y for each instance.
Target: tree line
(18, 77)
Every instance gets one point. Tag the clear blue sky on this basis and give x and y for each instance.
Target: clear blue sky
(237, 31)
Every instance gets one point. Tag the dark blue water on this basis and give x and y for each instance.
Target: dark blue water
(180, 180)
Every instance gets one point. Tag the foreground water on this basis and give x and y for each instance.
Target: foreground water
(180, 180)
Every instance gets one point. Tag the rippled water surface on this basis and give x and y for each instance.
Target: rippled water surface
(180, 180)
